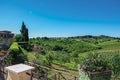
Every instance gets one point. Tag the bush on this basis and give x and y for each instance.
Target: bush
(95, 63)
(16, 54)
(25, 45)
(49, 58)
(114, 62)
(96, 67)
(57, 48)
(18, 37)
(111, 59)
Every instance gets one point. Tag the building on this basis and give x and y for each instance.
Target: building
(6, 34)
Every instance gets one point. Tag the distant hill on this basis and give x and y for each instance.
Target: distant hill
(78, 43)
(95, 39)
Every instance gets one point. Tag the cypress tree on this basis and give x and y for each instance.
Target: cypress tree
(24, 32)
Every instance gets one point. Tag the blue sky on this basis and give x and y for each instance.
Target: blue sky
(61, 18)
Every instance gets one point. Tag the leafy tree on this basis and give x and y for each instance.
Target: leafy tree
(24, 32)
(57, 48)
(18, 38)
(49, 58)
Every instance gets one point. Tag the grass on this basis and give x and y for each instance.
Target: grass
(110, 45)
(14, 46)
(71, 64)
(30, 55)
(42, 57)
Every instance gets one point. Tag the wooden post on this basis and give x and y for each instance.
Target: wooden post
(58, 75)
(55, 78)
(63, 76)
(31, 75)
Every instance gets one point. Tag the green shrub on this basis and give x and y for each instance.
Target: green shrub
(25, 45)
(95, 63)
(115, 65)
(110, 59)
(16, 55)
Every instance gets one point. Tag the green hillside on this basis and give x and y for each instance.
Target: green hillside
(67, 51)
(78, 44)
(110, 45)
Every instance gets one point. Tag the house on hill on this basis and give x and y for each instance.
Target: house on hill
(6, 38)
(6, 34)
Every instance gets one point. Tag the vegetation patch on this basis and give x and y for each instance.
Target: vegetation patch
(16, 55)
